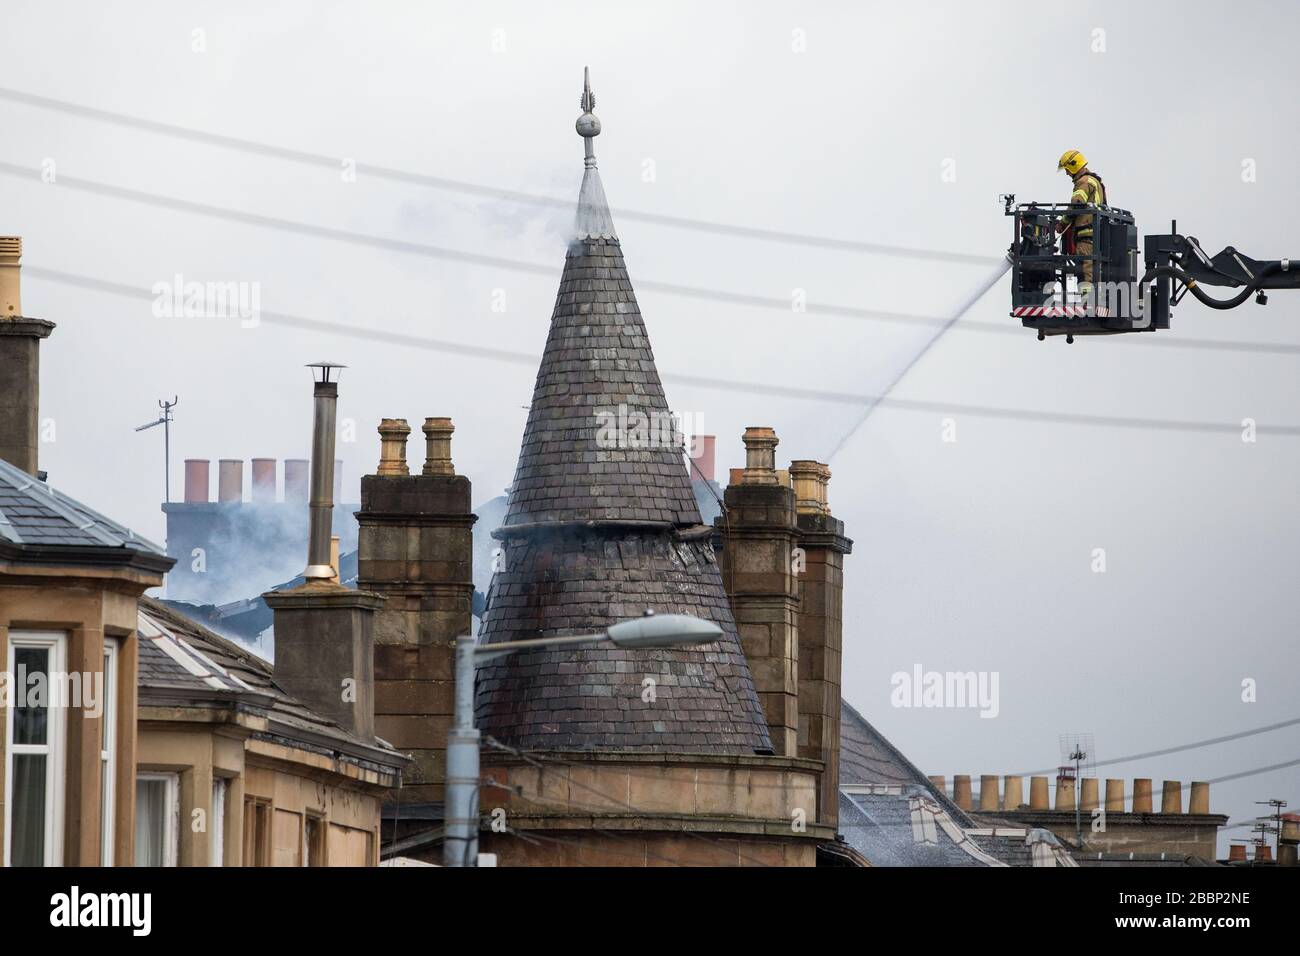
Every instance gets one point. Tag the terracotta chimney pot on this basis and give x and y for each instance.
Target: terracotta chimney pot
(197, 479)
(1142, 795)
(760, 456)
(961, 790)
(1038, 793)
(1114, 796)
(437, 441)
(1013, 792)
(705, 457)
(1171, 799)
(295, 480)
(11, 254)
(230, 480)
(1065, 793)
(989, 796)
(264, 480)
(392, 447)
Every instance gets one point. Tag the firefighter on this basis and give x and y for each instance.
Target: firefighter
(1088, 188)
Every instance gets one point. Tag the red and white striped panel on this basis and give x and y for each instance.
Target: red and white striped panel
(1057, 311)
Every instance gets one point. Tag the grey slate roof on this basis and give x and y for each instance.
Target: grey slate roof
(905, 826)
(867, 757)
(34, 514)
(893, 815)
(593, 535)
(180, 658)
(598, 366)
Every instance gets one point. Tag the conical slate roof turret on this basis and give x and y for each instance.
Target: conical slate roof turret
(602, 525)
(600, 443)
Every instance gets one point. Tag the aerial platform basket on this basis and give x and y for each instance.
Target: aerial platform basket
(1048, 293)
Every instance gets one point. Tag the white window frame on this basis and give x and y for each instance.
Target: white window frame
(108, 752)
(54, 748)
(171, 814)
(217, 827)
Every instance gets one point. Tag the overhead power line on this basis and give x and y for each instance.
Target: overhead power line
(427, 250)
(474, 189)
(766, 389)
(1194, 745)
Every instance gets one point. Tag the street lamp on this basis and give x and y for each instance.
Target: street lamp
(460, 835)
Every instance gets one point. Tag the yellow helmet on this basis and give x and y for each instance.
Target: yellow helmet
(1072, 161)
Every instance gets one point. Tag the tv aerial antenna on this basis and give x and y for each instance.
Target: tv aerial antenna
(1078, 760)
(165, 420)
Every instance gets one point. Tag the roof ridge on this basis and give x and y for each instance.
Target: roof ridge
(921, 779)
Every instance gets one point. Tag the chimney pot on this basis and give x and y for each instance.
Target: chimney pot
(20, 367)
(1171, 799)
(1286, 854)
(230, 480)
(1088, 800)
(1065, 790)
(704, 456)
(1264, 854)
(1142, 795)
(1237, 853)
(760, 456)
(809, 486)
(961, 790)
(1114, 796)
(263, 480)
(324, 481)
(1038, 793)
(940, 782)
(392, 447)
(11, 254)
(295, 480)
(197, 478)
(1200, 798)
(990, 799)
(1013, 792)
(735, 476)
(437, 443)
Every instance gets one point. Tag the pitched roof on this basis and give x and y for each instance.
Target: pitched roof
(602, 524)
(181, 658)
(868, 758)
(893, 815)
(32, 514)
(905, 826)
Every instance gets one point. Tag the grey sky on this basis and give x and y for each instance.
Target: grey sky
(973, 555)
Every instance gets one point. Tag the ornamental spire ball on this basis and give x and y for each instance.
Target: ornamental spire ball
(587, 124)
(593, 219)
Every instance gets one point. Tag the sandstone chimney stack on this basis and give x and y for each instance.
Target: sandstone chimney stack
(20, 366)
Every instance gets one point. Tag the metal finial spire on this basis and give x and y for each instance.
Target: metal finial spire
(593, 219)
(588, 126)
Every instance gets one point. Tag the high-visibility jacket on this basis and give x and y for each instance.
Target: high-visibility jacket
(1088, 188)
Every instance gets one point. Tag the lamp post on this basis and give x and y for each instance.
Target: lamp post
(460, 839)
